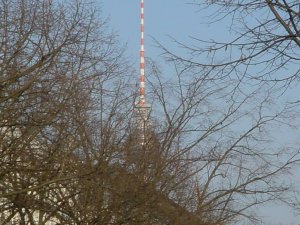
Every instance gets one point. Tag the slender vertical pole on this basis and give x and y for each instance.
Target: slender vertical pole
(142, 60)
(142, 109)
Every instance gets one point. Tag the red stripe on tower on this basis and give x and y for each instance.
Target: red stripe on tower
(142, 53)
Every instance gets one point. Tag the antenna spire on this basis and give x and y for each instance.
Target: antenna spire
(142, 100)
(142, 109)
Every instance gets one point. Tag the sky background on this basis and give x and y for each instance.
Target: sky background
(163, 19)
(173, 18)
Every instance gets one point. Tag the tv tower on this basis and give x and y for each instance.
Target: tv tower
(141, 108)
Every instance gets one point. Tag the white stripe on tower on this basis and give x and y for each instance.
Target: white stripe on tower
(142, 59)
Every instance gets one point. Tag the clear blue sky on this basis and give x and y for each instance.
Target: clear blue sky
(164, 18)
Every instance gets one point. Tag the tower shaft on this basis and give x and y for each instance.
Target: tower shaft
(141, 103)
(142, 109)
(142, 100)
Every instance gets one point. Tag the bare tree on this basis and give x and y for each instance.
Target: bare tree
(218, 131)
(262, 56)
(53, 56)
(264, 45)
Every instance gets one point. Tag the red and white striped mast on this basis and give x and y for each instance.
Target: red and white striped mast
(142, 109)
(142, 60)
